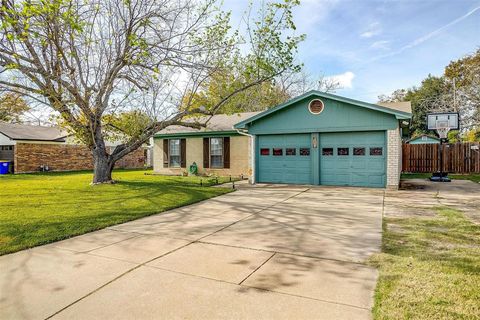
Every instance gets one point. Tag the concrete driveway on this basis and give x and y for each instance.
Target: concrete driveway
(271, 252)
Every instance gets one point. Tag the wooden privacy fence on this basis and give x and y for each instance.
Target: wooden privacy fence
(457, 158)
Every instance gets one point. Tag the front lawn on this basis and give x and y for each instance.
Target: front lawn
(40, 208)
(429, 268)
(475, 177)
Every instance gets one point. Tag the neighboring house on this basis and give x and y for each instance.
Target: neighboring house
(38, 148)
(316, 138)
(424, 139)
(218, 149)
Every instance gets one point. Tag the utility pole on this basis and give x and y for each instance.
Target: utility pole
(454, 96)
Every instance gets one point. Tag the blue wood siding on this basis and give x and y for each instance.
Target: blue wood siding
(337, 116)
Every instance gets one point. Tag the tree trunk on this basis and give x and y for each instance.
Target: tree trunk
(102, 167)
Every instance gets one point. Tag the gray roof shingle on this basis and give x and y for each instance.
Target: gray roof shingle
(17, 131)
(219, 122)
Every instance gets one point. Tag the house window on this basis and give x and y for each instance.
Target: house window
(174, 152)
(358, 151)
(216, 152)
(327, 151)
(277, 151)
(290, 151)
(304, 152)
(342, 151)
(265, 151)
(378, 151)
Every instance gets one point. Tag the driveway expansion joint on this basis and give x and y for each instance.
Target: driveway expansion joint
(162, 255)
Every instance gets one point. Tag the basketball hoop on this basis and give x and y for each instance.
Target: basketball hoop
(442, 123)
(442, 128)
(443, 132)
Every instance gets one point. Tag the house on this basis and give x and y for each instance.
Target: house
(218, 149)
(424, 139)
(41, 148)
(316, 138)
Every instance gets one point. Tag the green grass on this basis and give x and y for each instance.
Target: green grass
(429, 268)
(471, 177)
(40, 208)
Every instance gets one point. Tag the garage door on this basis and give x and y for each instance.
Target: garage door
(353, 159)
(285, 159)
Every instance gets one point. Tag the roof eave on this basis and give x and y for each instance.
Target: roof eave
(400, 115)
(193, 134)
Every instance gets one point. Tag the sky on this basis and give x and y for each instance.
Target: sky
(373, 47)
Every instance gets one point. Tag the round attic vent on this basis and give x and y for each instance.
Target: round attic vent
(316, 106)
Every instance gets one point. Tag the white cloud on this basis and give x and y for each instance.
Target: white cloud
(373, 29)
(382, 45)
(344, 80)
(427, 36)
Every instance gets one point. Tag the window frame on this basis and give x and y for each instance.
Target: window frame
(222, 139)
(170, 154)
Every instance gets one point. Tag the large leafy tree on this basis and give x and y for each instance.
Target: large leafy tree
(90, 59)
(458, 90)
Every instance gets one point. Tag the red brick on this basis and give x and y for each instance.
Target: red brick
(63, 157)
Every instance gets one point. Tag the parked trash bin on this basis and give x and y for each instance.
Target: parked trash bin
(4, 165)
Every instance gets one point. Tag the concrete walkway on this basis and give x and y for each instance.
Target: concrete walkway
(266, 252)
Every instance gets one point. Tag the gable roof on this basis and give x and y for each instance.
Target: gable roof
(405, 106)
(390, 110)
(217, 123)
(17, 131)
(423, 135)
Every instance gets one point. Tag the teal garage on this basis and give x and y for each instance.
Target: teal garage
(325, 139)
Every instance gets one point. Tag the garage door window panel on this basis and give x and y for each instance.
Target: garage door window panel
(216, 152)
(376, 151)
(304, 152)
(290, 151)
(265, 151)
(342, 151)
(358, 151)
(277, 152)
(327, 151)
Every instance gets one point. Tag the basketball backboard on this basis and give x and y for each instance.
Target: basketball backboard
(441, 121)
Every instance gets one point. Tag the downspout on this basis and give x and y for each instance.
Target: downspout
(252, 153)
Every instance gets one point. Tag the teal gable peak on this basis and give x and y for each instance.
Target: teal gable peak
(399, 115)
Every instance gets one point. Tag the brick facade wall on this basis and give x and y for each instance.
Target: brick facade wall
(394, 158)
(64, 157)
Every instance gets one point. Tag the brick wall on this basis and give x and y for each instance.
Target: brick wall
(394, 158)
(64, 157)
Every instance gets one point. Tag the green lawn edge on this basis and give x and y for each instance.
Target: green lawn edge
(49, 207)
(472, 177)
(429, 268)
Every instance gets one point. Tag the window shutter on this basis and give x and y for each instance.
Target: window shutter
(165, 153)
(226, 152)
(206, 152)
(183, 153)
